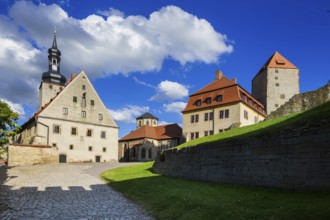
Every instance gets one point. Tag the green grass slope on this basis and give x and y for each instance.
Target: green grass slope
(175, 198)
(315, 118)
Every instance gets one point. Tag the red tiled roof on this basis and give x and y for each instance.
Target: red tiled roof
(230, 91)
(157, 133)
(277, 61)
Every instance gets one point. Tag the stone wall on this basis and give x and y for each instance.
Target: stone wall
(287, 160)
(302, 102)
(25, 154)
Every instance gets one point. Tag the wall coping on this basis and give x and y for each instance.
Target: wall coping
(31, 145)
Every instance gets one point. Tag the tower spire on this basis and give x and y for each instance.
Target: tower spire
(54, 41)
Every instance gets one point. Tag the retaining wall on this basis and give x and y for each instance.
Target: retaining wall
(27, 154)
(294, 160)
(302, 102)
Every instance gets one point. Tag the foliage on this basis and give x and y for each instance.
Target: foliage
(174, 198)
(317, 117)
(8, 123)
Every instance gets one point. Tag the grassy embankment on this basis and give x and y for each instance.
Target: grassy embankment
(174, 198)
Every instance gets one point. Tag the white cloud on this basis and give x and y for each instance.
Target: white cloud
(168, 90)
(164, 123)
(111, 12)
(99, 45)
(129, 113)
(176, 107)
(142, 83)
(18, 108)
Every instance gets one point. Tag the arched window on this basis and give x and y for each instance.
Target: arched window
(134, 152)
(150, 153)
(147, 122)
(143, 153)
(139, 123)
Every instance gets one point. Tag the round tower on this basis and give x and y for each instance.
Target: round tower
(146, 119)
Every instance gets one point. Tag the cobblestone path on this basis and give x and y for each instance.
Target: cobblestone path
(63, 191)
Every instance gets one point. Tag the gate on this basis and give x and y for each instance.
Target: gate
(62, 158)
(97, 159)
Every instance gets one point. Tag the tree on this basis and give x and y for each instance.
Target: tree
(8, 123)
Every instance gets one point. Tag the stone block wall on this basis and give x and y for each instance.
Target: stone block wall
(302, 102)
(296, 160)
(25, 154)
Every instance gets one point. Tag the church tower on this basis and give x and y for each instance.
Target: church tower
(276, 82)
(52, 80)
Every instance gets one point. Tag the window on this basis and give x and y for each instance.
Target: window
(243, 96)
(192, 118)
(83, 100)
(71, 147)
(206, 116)
(92, 102)
(206, 133)
(282, 96)
(74, 131)
(276, 105)
(192, 136)
(74, 99)
(150, 153)
(147, 122)
(54, 145)
(250, 101)
(211, 116)
(196, 118)
(103, 134)
(246, 114)
(198, 102)
(83, 87)
(143, 153)
(211, 132)
(227, 113)
(218, 98)
(276, 71)
(100, 117)
(65, 111)
(83, 114)
(256, 119)
(277, 84)
(50, 86)
(56, 129)
(90, 148)
(89, 133)
(208, 100)
(276, 77)
(61, 88)
(224, 113)
(139, 123)
(104, 149)
(220, 130)
(197, 134)
(134, 152)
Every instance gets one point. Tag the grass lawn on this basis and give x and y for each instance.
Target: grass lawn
(174, 198)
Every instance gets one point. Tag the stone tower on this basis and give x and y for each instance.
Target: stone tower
(146, 119)
(52, 80)
(276, 82)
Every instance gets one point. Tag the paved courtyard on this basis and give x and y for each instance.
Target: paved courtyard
(62, 191)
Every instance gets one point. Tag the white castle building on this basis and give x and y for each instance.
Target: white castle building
(71, 119)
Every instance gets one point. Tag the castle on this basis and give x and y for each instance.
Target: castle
(73, 125)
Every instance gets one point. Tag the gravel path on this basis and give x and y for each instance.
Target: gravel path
(63, 191)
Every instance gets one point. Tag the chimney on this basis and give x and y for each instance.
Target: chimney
(73, 75)
(234, 80)
(218, 75)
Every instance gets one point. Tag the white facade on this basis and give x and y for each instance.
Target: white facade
(77, 123)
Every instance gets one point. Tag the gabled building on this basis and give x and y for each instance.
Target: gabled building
(220, 106)
(147, 141)
(72, 118)
(276, 82)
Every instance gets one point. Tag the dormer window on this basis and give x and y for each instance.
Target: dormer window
(208, 100)
(198, 102)
(218, 98)
(243, 96)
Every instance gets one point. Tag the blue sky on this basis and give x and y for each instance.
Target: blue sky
(149, 55)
